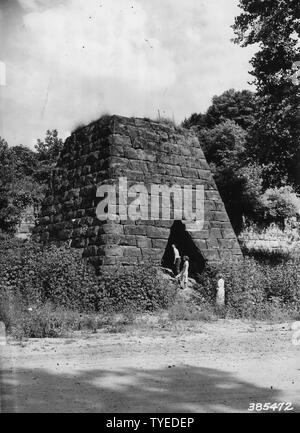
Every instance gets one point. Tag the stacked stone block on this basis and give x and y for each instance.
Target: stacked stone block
(142, 151)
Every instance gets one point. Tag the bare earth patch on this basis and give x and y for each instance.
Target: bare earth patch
(221, 366)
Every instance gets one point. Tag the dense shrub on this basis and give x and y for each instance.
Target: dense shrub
(44, 288)
(280, 204)
(143, 288)
(40, 273)
(47, 290)
(267, 256)
(48, 321)
(60, 275)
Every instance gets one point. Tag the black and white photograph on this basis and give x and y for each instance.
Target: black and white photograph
(150, 209)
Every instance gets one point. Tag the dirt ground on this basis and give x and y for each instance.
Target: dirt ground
(212, 367)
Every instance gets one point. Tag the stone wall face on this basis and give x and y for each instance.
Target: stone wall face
(140, 151)
(273, 239)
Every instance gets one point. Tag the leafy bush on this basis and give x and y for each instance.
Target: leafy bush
(144, 289)
(60, 275)
(46, 290)
(263, 255)
(48, 273)
(254, 289)
(280, 204)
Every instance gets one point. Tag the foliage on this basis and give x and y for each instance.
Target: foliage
(239, 182)
(237, 106)
(275, 141)
(46, 320)
(24, 160)
(49, 148)
(224, 147)
(142, 288)
(190, 311)
(269, 119)
(253, 287)
(24, 175)
(224, 142)
(280, 204)
(275, 27)
(223, 133)
(11, 305)
(18, 188)
(47, 290)
(241, 174)
(267, 255)
(48, 273)
(48, 151)
(274, 136)
(277, 206)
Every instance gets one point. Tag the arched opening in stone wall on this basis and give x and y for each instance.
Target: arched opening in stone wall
(186, 246)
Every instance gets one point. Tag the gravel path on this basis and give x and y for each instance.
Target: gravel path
(213, 367)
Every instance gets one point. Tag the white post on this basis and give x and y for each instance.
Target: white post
(220, 298)
(2, 334)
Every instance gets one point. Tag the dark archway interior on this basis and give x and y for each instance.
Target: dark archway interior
(186, 246)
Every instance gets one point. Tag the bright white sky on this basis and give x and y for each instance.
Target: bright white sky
(69, 61)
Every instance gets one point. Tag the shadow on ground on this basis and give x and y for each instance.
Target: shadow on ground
(175, 389)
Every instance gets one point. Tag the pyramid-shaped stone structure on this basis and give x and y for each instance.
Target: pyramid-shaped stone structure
(134, 154)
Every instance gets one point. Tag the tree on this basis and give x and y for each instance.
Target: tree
(223, 143)
(49, 148)
(48, 151)
(198, 120)
(25, 161)
(24, 176)
(239, 183)
(18, 186)
(238, 106)
(280, 204)
(274, 136)
(240, 189)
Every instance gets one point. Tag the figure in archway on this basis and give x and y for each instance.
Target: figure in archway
(177, 259)
(185, 245)
(183, 277)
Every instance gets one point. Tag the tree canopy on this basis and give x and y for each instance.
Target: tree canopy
(238, 106)
(49, 148)
(274, 26)
(24, 176)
